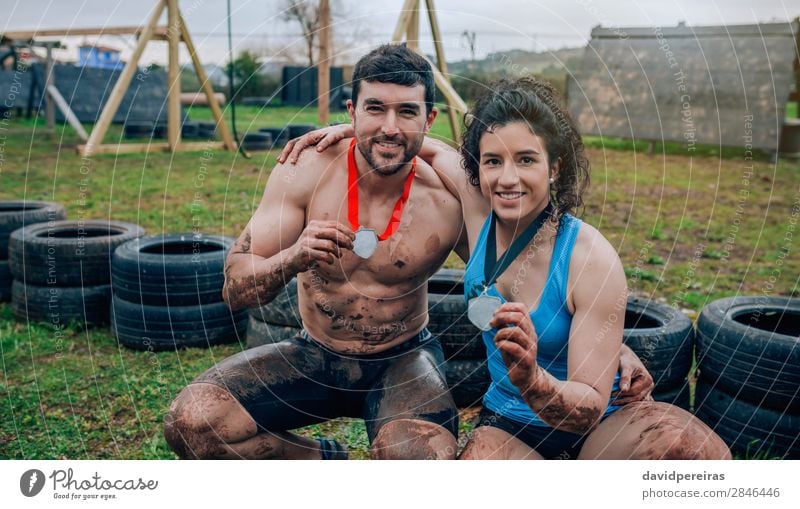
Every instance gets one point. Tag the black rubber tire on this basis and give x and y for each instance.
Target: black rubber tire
(189, 130)
(157, 328)
(58, 305)
(468, 381)
(68, 258)
(297, 130)
(662, 337)
(262, 138)
(750, 347)
(282, 310)
(138, 129)
(16, 214)
(447, 312)
(5, 281)
(747, 429)
(256, 146)
(206, 134)
(279, 136)
(256, 138)
(678, 396)
(179, 269)
(160, 131)
(257, 141)
(261, 333)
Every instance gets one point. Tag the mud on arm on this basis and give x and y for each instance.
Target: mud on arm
(578, 404)
(261, 263)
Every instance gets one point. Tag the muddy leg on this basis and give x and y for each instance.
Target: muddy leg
(413, 439)
(489, 443)
(206, 422)
(653, 430)
(410, 414)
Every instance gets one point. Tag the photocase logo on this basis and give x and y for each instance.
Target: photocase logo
(31, 482)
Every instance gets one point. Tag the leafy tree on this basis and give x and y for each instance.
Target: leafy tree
(247, 81)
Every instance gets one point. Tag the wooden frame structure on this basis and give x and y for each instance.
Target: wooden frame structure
(175, 32)
(408, 25)
(324, 63)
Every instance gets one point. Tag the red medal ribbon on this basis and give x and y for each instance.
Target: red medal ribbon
(352, 195)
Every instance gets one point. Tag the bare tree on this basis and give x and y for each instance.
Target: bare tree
(306, 13)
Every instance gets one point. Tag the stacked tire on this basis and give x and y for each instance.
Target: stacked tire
(190, 130)
(61, 269)
(297, 130)
(253, 142)
(167, 293)
(278, 136)
(663, 338)
(133, 130)
(206, 130)
(275, 321)
(14, 215)
(465, 368)
(748, 388)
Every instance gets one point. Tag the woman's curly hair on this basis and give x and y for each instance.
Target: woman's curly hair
(537, 104)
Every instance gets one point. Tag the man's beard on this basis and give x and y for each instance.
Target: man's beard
(409, 152)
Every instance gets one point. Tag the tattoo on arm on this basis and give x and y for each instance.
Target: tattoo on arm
(255, 289)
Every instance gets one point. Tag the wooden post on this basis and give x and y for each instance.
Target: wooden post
(452, 114)
(405, 16)
(222, 128)
(118, 92)
(50, 107)
(324, 63)
(797, 66)
(450, 94)
(173, 76)
(69, 115)
(412, 31)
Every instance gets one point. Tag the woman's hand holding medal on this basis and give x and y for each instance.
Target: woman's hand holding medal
(321, 241)
(517, 341)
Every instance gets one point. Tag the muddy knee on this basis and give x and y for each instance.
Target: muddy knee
(695, 441)
(413, 439)
(484, 443)
(678, 435)
(202, 419)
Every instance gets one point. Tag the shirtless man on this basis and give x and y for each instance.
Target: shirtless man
(365, 350)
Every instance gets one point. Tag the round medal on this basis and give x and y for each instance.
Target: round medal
(365, 243)
(480, 310)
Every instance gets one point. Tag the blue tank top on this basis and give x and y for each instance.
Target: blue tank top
(551, 319)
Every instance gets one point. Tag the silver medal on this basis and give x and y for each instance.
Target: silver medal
(366, 242)
(480, 310)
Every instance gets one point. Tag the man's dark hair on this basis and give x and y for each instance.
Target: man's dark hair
(395, 63)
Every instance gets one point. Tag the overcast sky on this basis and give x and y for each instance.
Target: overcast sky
(498, 24)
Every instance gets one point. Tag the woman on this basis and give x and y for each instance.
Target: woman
(549, 292)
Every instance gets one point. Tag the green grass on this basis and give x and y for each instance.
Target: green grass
(79, 395)
(791, 110)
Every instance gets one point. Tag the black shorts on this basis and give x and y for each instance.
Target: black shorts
(299, 382)
(550, 443)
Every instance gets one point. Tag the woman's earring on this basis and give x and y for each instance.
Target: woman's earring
(552, 180)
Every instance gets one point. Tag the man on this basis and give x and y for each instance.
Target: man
(364, 351)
